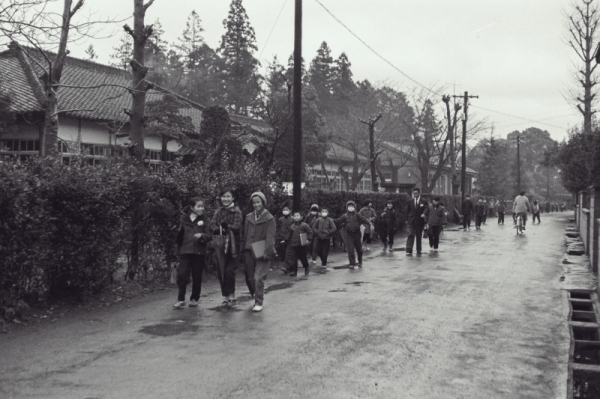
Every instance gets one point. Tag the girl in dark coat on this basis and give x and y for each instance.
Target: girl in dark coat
(388, 222)
(192, 238)
(227, 221)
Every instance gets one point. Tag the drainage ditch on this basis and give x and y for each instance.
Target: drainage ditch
(584, 359)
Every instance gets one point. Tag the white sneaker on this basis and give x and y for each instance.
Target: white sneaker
(313, 262)
(179, 305)
(193, 304)
(257, 308)
(431, 249)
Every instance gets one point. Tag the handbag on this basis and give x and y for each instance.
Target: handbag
(174, 276)
(426, 233)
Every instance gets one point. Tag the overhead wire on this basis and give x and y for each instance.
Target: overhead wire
(414, 80)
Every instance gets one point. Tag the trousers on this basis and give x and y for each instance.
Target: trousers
(190, 264)
(256, 271)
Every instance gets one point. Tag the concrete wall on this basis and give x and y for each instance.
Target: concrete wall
(588, 224)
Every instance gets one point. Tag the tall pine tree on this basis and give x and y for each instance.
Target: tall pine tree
(343, 87)
(240, 67)
(321, 76)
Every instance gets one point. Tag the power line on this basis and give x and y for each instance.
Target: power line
(537, 121)
(517, 117)
(375, 52)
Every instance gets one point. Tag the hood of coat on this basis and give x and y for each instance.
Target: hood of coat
(264, 217)
(314, 207)
(186, 219)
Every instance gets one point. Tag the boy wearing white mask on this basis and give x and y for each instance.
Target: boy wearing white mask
(283, 247)
(323, 228)
(352, 220)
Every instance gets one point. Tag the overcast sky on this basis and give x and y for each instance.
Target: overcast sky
(512, 53)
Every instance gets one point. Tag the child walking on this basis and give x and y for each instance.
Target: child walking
(323, 229)
(259, 226)
(479, 211)
(368, 213)
(352, 221)
(227, 221)
(192, 238)
(310, 220)
(284, 251)
(435, 215)
(299, 249)
(388, 225)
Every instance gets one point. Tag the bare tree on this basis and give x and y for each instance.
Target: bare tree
(46, 36)
(582, 24)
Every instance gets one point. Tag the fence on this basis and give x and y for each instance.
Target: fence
(587, 218)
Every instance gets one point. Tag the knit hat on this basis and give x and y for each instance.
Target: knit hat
(350, 203)
(314, 207)
(261, 196)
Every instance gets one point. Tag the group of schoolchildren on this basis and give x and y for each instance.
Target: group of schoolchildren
(293, 237)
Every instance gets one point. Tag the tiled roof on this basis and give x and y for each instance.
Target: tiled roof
(336, 152)
(105, 101)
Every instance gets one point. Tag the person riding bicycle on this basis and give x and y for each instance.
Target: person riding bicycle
(521, 206)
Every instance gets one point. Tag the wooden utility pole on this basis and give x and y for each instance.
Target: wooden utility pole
(297, 96)
(451, 128)
(463, 174)
(372, 155)
(518, 163)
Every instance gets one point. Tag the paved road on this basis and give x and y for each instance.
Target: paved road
(483, 318)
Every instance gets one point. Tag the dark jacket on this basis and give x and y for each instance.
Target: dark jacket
(414, 213)
(324, 228)
(186, 242)
(233, 218)
(259, 230)
(501, 207)
(284, 227)
(436, 215)
(351, 221)
(310, 218)
(388, 221)
(296, 229)
(369, 214)
(480, 209)
(467, 207)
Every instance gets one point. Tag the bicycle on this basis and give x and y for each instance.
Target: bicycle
(519, 225)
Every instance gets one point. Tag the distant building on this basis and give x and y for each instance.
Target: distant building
(93, 122)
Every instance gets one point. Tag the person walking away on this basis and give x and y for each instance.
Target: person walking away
(491, 206)
(192, 238)
(299, 248)
(485, 211)
(259, 226)
(323, 231)
(500, 209)
(415, 220)
(352, 221)
(368, 213)
(310, 219)
(535, 210)
(467, 208)
(521, 206)
(388, 225)
(227, 221)
(480, 211)
(436, 217)
(284, 250)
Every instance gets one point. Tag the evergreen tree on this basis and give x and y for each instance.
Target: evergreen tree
(123, 52)
(493, 173)
(191, 40)
(321, 77)
(238, 44)
(343, 87)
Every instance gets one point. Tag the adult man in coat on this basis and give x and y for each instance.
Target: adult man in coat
(467, 211)
(415, 220)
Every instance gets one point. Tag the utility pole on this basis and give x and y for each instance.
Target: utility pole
(548, 183)
(373, 157)
(297, 96)
(463, 174)
(451, 129)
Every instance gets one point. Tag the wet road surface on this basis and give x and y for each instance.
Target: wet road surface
(482, 318)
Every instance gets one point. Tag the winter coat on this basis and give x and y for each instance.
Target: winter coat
(501, 207)
(436, 215)
(284, 227)
(324, 228)
(187, 244)
(259, 230)
(388, 221)
(467, 207)
(310, 219)
(234, 219)
(521, 204)
(480, 209)
(296, 229)
(369, 214)
(351, 221)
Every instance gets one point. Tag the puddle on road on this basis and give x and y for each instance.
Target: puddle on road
(339, 290)
(341, 267)
(225, 309)
(168, 330)
(319, 270)
(277, 287)
(586, 384)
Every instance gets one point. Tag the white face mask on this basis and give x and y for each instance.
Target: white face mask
(285, 213)
(314, 212)
(324, 214)
(350, 209)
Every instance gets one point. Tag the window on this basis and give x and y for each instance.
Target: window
(20, 145)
